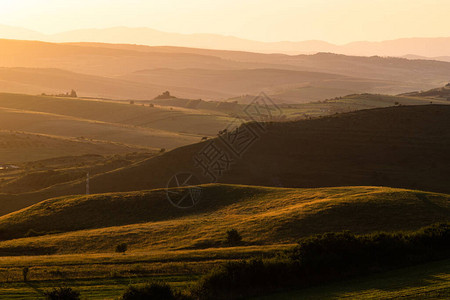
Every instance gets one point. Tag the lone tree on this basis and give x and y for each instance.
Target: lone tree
(25, 272)
(233, 237)
(121, 248)
(73, 94)
(165, 95)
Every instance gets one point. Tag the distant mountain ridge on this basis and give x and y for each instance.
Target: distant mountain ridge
(426, 47)
(123, 71)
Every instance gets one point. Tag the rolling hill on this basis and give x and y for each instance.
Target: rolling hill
(264, 215)
(55, 81)
(403, 147)
(134, 126)
(442, 93)
(146, 36)
(133, 71)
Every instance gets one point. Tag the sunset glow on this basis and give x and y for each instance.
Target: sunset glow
(339, 21)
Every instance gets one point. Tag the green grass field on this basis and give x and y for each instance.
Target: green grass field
(107, 276)
(427, 281)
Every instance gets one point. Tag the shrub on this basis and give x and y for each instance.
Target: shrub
(121, 248)
(154, 291)
(62, 293)
(323, 258)
(233, 237)
(235, 280)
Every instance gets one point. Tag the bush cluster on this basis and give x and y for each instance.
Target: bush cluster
(65, 293)
(155, 291)
(324, 258)
(314, 260)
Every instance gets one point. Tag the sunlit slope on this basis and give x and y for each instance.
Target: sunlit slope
(68, 127)
(263, 215)
(161, 118)
(158, 127)
(376, 100)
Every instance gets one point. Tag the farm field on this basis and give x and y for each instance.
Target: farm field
(106, 276)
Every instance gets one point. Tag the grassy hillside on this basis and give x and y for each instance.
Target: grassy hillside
(36, 175)
(16, 147)
(158, 118)
(442, 93)
(405, 146)
(121, 123)
(367, 101)
(146, 220)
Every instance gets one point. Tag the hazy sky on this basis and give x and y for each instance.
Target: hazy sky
(337, 21)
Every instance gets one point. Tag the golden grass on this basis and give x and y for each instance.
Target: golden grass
(159, 118)
(147, 222)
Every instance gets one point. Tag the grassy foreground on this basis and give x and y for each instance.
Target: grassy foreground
(430, 281)
(106, 276)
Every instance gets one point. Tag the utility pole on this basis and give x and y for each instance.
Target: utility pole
(87, 183)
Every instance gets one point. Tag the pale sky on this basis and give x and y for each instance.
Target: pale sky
(337, 21)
